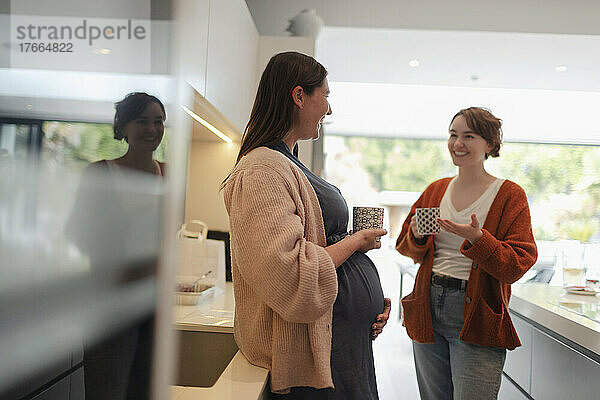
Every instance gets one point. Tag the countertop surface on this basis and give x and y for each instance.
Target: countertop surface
(213, 313)
(240, 380)
(551, 307)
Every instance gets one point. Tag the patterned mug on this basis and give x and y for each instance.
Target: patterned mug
(427, 220)
(367, 218)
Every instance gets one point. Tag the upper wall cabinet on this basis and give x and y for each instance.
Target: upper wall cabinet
(218, 51)
(192, 41)
(232, 58)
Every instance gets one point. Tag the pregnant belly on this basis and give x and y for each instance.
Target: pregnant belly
(360, 297)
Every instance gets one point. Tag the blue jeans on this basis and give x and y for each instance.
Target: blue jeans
(450, 368)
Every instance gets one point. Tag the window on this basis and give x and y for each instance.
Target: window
(71, 145)
(562, 182)
(76, 144)
(18, 138)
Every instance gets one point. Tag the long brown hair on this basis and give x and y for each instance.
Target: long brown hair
(273, 111)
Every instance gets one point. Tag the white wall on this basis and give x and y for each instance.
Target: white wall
(271, 45)
(210, 162)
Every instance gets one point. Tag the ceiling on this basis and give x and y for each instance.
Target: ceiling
(533, 16)
(375, 92)
(474, 43)
(461, 58)
(502, 55)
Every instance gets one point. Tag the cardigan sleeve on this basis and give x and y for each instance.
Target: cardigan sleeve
(293, 276)
(507, 260)
(407, 244)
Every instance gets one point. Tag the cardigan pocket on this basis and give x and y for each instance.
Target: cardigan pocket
(487, 327)
(413, 311)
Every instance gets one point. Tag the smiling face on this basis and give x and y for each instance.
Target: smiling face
(314, 108)
(145, 132)
(466, 147)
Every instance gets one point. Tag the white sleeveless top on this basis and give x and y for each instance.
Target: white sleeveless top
(447, 258)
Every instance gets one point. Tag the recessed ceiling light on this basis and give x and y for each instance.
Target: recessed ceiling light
(414, 63)
(560, 68)
(101, 51)
(29, 106)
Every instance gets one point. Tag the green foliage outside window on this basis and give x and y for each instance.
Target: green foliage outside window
(401, 164)
(77, 144)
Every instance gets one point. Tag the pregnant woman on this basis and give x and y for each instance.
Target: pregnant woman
(291, 256)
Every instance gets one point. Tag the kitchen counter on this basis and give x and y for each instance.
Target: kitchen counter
(542, 305)
(240, 380)
(560, 353)
(547, 306)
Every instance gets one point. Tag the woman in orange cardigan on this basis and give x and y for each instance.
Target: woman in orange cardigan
(457, 314)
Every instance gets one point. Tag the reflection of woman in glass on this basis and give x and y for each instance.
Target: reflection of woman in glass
(457, 314)
(119, 366)
(139, 119)
(291, 256)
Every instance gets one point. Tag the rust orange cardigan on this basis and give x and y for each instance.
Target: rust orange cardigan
(503, 254)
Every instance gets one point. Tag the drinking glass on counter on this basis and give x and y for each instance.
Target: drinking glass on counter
(572, 261)
(591, 262)
(573, 275)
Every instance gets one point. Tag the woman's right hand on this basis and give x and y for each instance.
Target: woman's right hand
(413, 227)
(363, 240)
(368, 239)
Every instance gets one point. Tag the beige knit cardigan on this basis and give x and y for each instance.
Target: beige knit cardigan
(284, 280)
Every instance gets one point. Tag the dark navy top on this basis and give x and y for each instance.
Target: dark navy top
(359, 299)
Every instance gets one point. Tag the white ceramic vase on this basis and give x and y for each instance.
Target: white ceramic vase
(306, 23)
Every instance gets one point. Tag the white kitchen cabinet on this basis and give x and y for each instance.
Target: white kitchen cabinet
(509, 391)
(231, 61)
(77, 385)
(560, 372)
(192, 41)
(58, 391)
(548, 367)
(518, 361)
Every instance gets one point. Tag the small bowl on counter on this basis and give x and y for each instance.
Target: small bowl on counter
(189, 295)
